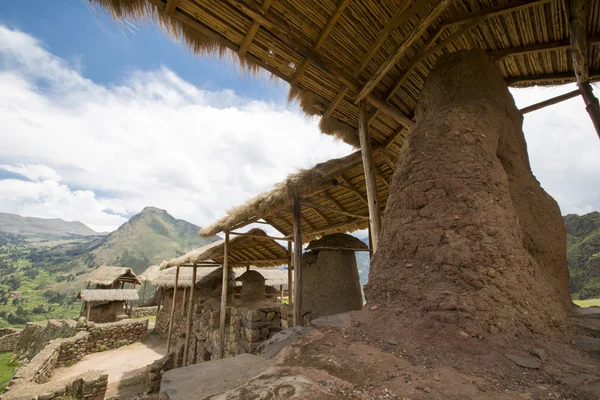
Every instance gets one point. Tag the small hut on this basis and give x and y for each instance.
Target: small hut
(107, 305)
(108, 301)
(330, 280)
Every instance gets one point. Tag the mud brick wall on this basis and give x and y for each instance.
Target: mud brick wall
(9, 338)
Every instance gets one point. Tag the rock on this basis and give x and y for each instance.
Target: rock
(539, 353)
(255, 315)
(333, 321)
(436, 378)
(587, 344)
(393, 342)
(464, 334)
(525, 362)
(373, 308)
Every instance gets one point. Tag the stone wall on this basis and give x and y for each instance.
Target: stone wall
(37, 335)
(107, 312)
(155, 371)
(139, 312)
(116, 334)
(9, 337)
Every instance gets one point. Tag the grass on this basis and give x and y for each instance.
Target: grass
(587, 303)
(7, 369)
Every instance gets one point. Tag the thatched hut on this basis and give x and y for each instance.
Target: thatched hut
(107, 305)
(330, 281)
(107, 277)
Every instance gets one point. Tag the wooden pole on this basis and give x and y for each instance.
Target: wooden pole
(188, 329)
(183, 302)
(551, 101)
(281, 293)
(290, 280)
(172, 310)
(297, 262)
(159, 301)
(224, 297)
(89, 309)
(370, 179)
(592, 106)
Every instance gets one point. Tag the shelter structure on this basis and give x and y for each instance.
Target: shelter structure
(330, 280)
(246, 249)
(108, 301)
(146, 278)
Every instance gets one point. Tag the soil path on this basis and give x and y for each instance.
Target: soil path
(123, 365)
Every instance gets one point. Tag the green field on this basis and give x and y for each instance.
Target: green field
(7, 369)
(587, 303)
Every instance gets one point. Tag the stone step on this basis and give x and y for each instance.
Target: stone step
(590, 326)
(588, 344)
(587, 312)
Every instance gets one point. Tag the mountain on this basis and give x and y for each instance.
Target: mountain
(15, 224)
(147, 238)
(583, 254)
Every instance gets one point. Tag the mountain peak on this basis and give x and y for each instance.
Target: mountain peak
(152, 209)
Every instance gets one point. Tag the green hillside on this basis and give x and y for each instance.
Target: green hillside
(15, 224)
(41, 272)
(583, 253)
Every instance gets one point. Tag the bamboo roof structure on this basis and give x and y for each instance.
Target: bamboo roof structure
(335, 53)
(333, 196)
(255, 250)
(107, 276)
(108, 295)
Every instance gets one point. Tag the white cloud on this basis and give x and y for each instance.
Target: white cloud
(99, 153)
(95, 151)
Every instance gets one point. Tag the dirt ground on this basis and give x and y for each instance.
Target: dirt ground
(125, 366)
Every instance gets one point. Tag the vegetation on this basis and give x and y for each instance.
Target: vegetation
(583, 253)
(8, 368)
(588, 303)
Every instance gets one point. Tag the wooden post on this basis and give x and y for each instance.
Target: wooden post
(370, 179)
(183, 302)
(290, 280)
(89, 309)
(297, 262)
(578, 14)
(160, 298)
(172, 310)
(224, 297)
(281, 293)
(188, 329)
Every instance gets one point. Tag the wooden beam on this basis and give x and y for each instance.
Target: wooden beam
(393, 59)
(578, 14)
(188, 329)
(336, 101)
(258, 236)
(225, 284)
(334, 228)
(183, 302)
(316, 206)
(171, 6)
(341, 6)
(88, 306)
(381, 176)
(252, 31)
(494, 11)
(551, 101)
(557, 77)
(370, 179)
(172, 315)
(297, 211)
(350, 186)
(499, 55)
(286, 36)
(290, 280)
(402, 15)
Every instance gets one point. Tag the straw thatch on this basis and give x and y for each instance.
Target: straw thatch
(337, 241)
(149, 274)
(273, 276)
(336, 184)
(243, 251)
(166, 277)
(108, 295)
(107, 276)
(335, 52)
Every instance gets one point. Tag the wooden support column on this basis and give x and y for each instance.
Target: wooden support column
(579, 51)
(290, 280)
(160, 297)
(281, 293)
(549, 102)
(188, 326)
(370, 179)
(183, 302)
(297, 262)
(89, 309)
(172, 310)
(225, 283)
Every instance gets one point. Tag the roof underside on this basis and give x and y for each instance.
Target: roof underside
(107, 276)
(333, 197)
(243, 251)
(335, 52)
(166, 277)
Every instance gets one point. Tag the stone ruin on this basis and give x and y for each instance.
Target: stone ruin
(330, 280)
(253, 287)
(470, 241)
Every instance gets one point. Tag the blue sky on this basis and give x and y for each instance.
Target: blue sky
(100, 121)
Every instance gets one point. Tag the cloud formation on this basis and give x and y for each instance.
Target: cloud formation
(95, 153)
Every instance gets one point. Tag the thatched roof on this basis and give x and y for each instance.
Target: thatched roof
(166, 277)
(336, 52)
(338, 184)
(108, 295)
(337, 241)
(106, 276)
(243, 251)
(149, 274)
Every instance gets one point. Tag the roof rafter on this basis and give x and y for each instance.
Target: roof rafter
(253, 29)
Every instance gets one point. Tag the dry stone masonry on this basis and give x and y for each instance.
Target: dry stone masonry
(140, 312)
(9, 337)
